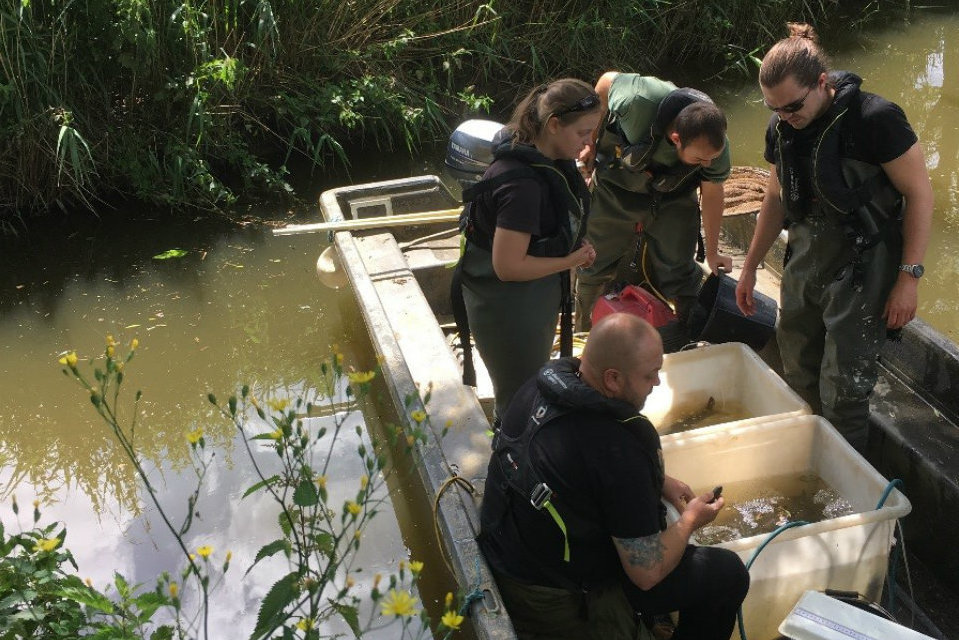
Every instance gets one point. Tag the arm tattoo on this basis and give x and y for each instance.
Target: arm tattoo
(643, 552)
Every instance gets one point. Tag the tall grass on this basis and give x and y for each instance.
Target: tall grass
(195, 103)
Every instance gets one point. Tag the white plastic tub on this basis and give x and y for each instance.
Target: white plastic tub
(848, 553)
(732, 375)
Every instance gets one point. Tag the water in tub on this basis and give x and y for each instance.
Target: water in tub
(759, 506)
(688, 415)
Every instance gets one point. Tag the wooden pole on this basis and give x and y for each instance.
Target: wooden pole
(406, 219)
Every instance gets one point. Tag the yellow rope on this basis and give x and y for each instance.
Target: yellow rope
(436, 507)
(650, 282)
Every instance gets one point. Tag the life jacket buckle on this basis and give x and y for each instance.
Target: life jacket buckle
(540, 495)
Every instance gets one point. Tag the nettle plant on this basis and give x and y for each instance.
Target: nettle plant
(319, 536)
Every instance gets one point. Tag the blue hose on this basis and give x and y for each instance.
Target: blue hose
(894, 557)
(752, 558)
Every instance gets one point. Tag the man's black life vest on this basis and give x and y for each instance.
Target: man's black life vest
(859, 192)
(566, 188)
(560, 391)
(638, 156)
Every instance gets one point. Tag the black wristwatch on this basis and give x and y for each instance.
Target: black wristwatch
(915, 270)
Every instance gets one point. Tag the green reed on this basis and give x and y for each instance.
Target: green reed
(196, 103)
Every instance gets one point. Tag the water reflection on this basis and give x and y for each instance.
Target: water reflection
(240, 307)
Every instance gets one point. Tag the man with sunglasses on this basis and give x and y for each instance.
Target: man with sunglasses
(655, 148)
(849, 182)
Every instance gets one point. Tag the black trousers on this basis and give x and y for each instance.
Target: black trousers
(706, 588)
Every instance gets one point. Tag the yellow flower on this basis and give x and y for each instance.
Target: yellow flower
(419, 415)
(46, 544)
(364, 481)
(353, 508)
(279, 404)
(305, 624)
(110, 351)
(229, 556)
(174, 590)
(339, 359)
(277, 435)
(321, 482)
(194, 436)
(452, 620)
(399, 603)
(416, 566)
(110, 341)
(357, 534)
(134, 344)
(410, 440)
(69, 359)
(449, 599)
(204, 551)
(350, 582)
(376, 580)
(361, 377)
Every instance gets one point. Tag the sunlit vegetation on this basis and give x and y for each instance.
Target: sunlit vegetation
(197, 103)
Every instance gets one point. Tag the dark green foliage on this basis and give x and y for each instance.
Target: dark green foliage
(196, 102)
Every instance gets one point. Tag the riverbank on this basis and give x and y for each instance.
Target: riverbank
(195, 110)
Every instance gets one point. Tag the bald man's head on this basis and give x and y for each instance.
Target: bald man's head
(622, 358)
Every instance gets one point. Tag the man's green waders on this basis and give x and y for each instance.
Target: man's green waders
(830, 330)
(670, 228)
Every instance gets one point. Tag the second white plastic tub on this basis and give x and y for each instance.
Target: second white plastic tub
(848, 553)
(732, 375)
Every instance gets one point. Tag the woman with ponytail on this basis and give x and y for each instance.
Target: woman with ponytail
(525, 222)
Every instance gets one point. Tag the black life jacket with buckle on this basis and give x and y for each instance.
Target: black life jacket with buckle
(566, 188)
(859, 192)
(637, 157)
(560, 391)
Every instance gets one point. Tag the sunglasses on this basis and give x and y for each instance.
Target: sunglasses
(585, 104)
(792, 107)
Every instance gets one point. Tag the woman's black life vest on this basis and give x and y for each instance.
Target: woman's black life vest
(859, 192)
(637, 157)
(567, 187)
(560, 391)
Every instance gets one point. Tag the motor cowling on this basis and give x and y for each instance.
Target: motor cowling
(469, 150)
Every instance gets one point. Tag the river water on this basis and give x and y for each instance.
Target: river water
(246, 307)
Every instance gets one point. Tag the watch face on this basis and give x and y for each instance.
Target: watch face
(918, 270)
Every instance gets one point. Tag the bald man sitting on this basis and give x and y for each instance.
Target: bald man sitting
(573, 524)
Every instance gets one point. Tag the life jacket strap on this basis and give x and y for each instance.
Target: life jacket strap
(540, 499)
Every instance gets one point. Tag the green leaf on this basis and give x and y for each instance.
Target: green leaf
(148, 603)
(170, 253)
(260, 485)
(349, 614)
(163, 633)
(271, 615)
(271, 549)
(305, 494)
(88, 597)
(326, 543)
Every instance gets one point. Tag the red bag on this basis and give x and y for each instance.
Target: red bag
(637, 301)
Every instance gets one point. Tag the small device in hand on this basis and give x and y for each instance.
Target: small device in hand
(718, 491)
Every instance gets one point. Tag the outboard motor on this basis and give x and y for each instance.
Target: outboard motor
(469, 151)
